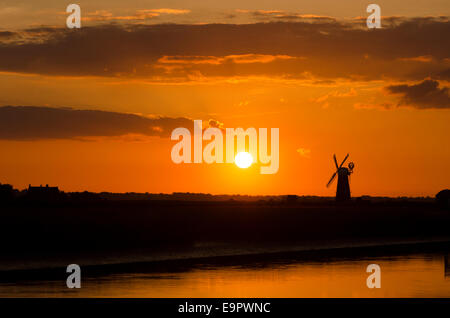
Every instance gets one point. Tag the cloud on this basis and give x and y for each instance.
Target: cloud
(104, 15)
(424, 95)
(7, 34)
(213, 123)
(423, 59)
(303, 152)
(169, 11)
(320, 51)
(31, 123)
(380, 106)
(336, 94)
(215, 60)
(271, 15)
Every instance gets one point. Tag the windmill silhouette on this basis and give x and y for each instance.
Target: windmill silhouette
(343, 186)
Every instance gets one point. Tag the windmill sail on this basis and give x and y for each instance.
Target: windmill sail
(331, 180)
(343, 160)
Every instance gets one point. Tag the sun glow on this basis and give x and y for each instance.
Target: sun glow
(243, 160)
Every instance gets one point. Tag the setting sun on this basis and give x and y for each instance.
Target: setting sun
(243, 160)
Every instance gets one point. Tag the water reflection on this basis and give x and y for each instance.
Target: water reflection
(446, 265)
(332, 274)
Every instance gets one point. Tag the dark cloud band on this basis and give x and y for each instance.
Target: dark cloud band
(325, 49)
(426, 94)
(30, 123)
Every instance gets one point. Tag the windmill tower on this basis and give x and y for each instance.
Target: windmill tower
(343, 186)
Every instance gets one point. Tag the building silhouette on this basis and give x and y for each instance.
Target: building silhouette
(6, 192)
(47, 194)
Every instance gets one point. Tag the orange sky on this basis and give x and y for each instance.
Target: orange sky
(329, 84)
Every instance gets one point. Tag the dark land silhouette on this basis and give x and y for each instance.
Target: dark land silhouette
(43, 221)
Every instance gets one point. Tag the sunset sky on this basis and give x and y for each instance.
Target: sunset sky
(138, 69)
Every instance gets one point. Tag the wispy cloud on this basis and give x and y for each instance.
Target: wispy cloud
(423, 59)
(238, 59)
(144, 14)
(280, 15)
(304, 152)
